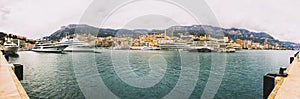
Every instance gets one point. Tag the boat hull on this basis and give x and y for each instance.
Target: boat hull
(201, 50)
(227, 50)
(79, 49)
(151, 48)
(11, 50)
(136, 48)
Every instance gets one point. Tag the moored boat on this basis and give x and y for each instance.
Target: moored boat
(150, 48)
(74, 45)
(172, 46)
(49, 47)
(203, 46)
(10, 47)
(136, 47)
(227, 50)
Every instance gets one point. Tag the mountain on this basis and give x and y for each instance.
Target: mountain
(290, 45)
(198, 30)
(233, 33)
(81, 29)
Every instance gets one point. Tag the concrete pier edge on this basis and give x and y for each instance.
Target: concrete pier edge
(10, 86)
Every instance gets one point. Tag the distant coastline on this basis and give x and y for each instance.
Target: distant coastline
(110, 38)
(262, 38)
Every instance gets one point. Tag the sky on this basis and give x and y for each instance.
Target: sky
(38, 18)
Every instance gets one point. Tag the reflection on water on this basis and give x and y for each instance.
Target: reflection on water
(48, 75)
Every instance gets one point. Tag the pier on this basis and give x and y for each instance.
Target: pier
(287, 87)
(10, 86)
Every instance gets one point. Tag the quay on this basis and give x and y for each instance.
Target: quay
(286, 87)
(10, 86)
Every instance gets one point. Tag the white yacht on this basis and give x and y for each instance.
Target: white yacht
(136, 47)
(203, 46)
(76, 46)
(171, 46)
(224, 48)
(227, 50)
(10, 47)
(150, 48)
(49, 47)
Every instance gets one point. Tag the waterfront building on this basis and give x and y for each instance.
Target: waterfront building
(28, 46)
(226, 39)
(239, 41)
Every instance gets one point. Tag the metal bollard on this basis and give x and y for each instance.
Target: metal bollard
(282, 71)
(291, 60)
(296, 54)
(19, 71)
(270, 81)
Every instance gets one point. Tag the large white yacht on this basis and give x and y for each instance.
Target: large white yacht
(203, 46)
(172, 46)
(76, 46)
(49, 47)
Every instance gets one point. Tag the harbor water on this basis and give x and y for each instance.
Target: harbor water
(149, 74)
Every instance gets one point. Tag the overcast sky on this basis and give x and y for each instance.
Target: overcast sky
(38, 18)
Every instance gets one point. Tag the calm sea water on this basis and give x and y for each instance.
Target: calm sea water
(148, 74)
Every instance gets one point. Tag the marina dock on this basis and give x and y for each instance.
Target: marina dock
(288, 87)
(10, 86)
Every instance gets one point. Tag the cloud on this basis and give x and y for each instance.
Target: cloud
(3, 13)
(38, 18)
(279, 18)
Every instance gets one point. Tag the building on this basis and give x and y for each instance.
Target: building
(239, 41)
(226, 39)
